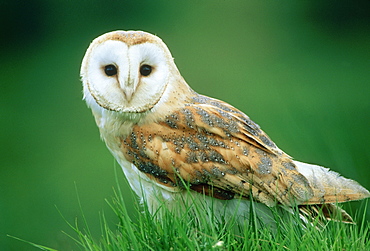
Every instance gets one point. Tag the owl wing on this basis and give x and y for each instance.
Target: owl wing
(218, 151)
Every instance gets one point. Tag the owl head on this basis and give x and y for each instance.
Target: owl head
(126, 71)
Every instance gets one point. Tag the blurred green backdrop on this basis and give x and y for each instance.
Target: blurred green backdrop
(299, 69)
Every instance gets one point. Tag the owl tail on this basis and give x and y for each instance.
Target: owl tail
(329, 187)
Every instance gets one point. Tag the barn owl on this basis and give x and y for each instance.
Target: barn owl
(172, 142)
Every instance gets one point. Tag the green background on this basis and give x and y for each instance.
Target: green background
(299, 69)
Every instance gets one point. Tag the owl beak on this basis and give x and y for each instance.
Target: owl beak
(128, 88)
(128, 94)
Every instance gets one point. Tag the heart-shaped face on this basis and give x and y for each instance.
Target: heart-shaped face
(126, 71)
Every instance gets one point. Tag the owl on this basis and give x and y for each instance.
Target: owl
(179, 148)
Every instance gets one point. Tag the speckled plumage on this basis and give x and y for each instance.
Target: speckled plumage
(209, 143)
(164, 134)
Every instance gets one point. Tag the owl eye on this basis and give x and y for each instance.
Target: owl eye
(145, 70)
(110, 70)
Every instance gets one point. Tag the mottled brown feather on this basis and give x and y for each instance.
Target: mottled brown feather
(210, 143)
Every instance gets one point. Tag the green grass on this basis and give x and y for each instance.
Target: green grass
(205, 232)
